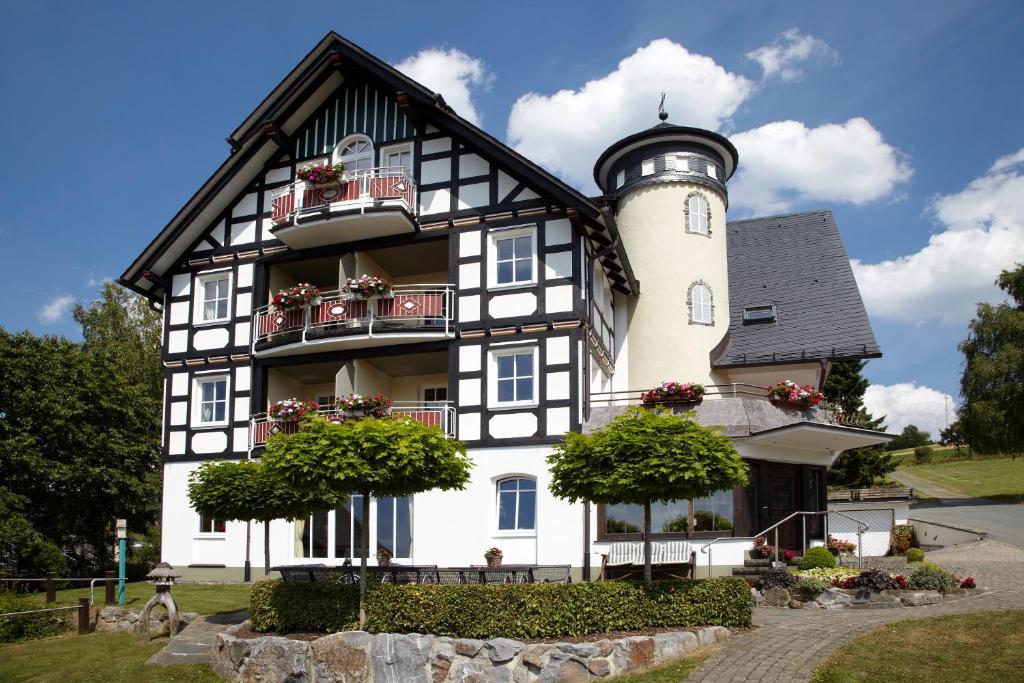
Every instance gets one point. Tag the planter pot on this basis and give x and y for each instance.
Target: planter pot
(675, 401)
(779, 565)
(781, 402)
(493, 561)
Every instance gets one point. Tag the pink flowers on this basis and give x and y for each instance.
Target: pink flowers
(321, 174)
(673, 391)
(840, 547)
(370, 406)
(294, 298)
(366, 286)
(791, 392)
(291, 409)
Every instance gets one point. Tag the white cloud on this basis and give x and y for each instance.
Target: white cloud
(55, 309)
(786, 162)
(909, 403)
(981, 233)
(565, 132)
(452, 73)
(780, 59)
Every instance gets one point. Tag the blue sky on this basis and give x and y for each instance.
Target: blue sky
(894, 115)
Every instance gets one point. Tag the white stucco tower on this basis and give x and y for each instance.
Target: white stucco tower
(669, 188)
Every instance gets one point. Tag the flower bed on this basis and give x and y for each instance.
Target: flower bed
(366, 286)
(291, 409)
(791, 393)
(673, 392)
(295, 298)
(322, 174)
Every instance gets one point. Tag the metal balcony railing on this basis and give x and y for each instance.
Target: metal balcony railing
(360, 189)
(411, 308)
(430, 413)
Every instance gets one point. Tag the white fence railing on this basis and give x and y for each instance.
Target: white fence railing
(358, 189)
(431, 413)
(410, 308)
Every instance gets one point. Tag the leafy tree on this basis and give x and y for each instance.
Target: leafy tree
(993, 381)
(248, 490)
(910, 437)
(23, 549)
(643, 457)
(372, 456)
(953, 435)
(844, 389)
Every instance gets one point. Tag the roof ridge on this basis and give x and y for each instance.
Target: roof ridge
(781, 215)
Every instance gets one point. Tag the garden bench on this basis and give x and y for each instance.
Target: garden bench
(669, 560)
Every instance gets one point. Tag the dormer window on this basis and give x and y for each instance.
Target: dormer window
(759, 314)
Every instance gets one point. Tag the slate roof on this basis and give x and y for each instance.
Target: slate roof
(798, 263)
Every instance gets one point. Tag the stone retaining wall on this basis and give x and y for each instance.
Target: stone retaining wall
(360, 657)
(123, 619)
(839, 598)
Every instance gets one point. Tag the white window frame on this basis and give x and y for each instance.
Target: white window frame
(620, 179)
(336, 155)
(647, 167)
(710, 306)
(398, 149)
(332, 527)
(691, 215)
(683, 163)
(423, 394)
(202, 533)
(519, 533)
(197, 399)
(493, 237)
(199, 302)
(712, 170)
(492, 377)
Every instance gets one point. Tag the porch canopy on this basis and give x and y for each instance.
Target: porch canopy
(818, 436)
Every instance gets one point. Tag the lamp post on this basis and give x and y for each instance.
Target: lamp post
(122, 552)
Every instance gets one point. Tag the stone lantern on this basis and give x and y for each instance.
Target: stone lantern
(163, 576)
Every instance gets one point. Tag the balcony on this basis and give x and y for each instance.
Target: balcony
(374, 202)
(415, 313)
(432, 414)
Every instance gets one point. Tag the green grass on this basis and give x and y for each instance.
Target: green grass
(91, 658)
(190, 597)
(1002, 479)
(905, 456)
(968, 648)
(673, 672)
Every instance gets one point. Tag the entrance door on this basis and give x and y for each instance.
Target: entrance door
(782, 500)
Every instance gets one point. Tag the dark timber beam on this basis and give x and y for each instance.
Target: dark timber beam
(407, 108)
(274, 134)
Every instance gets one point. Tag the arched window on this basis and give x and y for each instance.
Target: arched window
(697, 216)
(517, 504)
(701, 311)
(356, 152)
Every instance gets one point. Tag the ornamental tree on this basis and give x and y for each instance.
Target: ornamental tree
(644, 457)
(248, 490)
(374, 456)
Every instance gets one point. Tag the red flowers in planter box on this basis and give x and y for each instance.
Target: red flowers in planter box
(366, 286)
(322, 174)
(294, 298)
(790, 392)
(370, 406)
(673, 391)
(291, 409)
(968, 583)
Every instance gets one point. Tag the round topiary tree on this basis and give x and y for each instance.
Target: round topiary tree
(816, 558)
(915, 555)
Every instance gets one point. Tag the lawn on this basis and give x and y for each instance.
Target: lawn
(968, 648)
(673, 672)
(190, 597)
(1000, 479)
(95, 657)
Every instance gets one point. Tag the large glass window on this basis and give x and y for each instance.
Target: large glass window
(213, 400)
(337, 534)
(311, 536)
(514, 373)
(708, 514)
(348, 528)
(714, 513)
(517, 504)
(394, 525)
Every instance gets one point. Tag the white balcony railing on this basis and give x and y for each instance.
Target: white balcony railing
(431, 413)
(411, 309)
(361, 189)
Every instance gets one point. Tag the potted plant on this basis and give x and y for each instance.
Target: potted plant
(673, 392)
(368, 287)
(839, 547)
(792, 394)
(323, 175)
(358, 405)
(383, 557)
(291, 409)
(296, 297)
(493, 557)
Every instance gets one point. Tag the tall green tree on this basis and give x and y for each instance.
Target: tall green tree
(910, 437)
(645, 457)
(376, 457)
(844, 390)
(992, 385)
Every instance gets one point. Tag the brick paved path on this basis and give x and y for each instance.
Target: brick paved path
(789, 644)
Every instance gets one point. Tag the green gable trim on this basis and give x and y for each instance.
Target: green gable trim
(354, 108)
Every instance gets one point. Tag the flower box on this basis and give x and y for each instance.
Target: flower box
(791, 394)
(323, 175)
(296, 298)
(291, 409)
(673, 392)
(369, 287)
(357, 405)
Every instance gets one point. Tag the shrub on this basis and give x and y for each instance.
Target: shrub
(775, 578)
(872, 580)
(817, 557)
(923, 454)
(915, 555)
(828, 573)
(930, 577)
(902, 538)
(812, 584)
(522, 611)
(30, 626)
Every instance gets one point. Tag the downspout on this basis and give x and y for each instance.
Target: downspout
(586, 540)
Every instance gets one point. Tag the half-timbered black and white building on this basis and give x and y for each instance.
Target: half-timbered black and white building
(518, 315)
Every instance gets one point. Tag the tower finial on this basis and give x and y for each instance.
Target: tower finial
(662, 114)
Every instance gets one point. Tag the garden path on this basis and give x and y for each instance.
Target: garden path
(788, 644)
(194, 643)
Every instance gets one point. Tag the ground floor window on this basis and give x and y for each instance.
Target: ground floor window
(209, 525)
(391, 526)
(674, 517)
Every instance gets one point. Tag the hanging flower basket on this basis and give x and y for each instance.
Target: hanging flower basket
(790, 393)
(358, 405)
(323, 175)
(291, 409)
(673, 392)
(296, 298)
(368, 287)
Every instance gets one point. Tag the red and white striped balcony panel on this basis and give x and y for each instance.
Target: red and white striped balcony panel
(362, 187)
(339, 309)
(441, 415)
(412, 305)
(274, 322)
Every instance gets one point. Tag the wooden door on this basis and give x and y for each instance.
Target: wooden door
(782, 500)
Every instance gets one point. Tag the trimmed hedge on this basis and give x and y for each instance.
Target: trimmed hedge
(817, 558)
(30, 626)
(539, 610)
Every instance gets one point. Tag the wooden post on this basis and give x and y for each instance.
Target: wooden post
(109, 581)
(51, 587)
(83, 616)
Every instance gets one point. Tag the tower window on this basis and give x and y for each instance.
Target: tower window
(701, 310)
(697, 217)
(647, 167)
(712, 170)
(620, 178)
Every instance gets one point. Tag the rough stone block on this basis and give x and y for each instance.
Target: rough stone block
(534, 655)
(670, 645)
(342, 657)
(776, 597)
(582, 650)
(599, 667)
(462, 671)
(275, 659)
(503, 649)
(397, 657)
(916, 599)
(468, 647)
(639, 651)
(833, 597)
